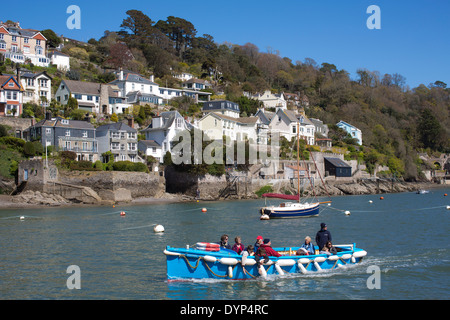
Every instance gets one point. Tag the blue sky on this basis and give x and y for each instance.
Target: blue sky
(413, 41)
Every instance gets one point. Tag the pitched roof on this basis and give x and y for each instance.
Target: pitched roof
(337, 162)
(150, 143)
(58, 122)
(116, 126)
(82, 87)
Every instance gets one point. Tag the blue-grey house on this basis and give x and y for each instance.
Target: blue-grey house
(66, 135)
(120, 139)
(352, 130)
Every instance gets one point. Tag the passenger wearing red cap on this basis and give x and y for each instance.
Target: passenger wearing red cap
(259, 241)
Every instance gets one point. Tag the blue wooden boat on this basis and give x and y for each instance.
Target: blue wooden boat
(194, 263)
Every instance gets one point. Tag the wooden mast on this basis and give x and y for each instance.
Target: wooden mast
(298, 160)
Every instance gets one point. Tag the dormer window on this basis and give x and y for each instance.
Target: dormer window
(65, 121)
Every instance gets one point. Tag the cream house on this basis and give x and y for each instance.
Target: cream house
(216, 125)
(22, 45)
(272, 100)
(37, 87)
(286, 123)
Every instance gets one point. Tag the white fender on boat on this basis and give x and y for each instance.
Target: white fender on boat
(333, 258)
(170, 253)
(304, 260)
(210, 258)
(346, 256)
(317, 261)
(302, 268)
(230, 272)
(265, 217)
(360, 254)
(250, 262)
(286, 263)
(262, 271)
(279, 270)
(269, 263)
(228, 261)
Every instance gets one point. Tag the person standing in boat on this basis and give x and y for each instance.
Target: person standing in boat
(322, 236)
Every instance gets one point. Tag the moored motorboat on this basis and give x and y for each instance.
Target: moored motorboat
(196, 263)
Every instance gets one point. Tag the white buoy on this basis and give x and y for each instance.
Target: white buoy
(448, 207)
(347, 213)
(265, 217)
(370, 201)
(22, 218)
(158, 228)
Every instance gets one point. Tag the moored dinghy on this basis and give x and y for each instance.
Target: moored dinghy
(198, 263)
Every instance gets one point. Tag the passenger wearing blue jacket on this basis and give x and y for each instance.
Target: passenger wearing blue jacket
(322, 236)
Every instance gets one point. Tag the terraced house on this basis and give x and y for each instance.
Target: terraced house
(11, 96)
(120, 139)
(66, 135)
(22, 45)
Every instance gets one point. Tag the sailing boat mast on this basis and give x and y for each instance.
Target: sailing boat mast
(298, 160)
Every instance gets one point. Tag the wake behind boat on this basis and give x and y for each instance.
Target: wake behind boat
(197, 263)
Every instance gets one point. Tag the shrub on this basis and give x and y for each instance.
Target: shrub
(263, 190)
(29, 149)
(15, 143)
(129, 166)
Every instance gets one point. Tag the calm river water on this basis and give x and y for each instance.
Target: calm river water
(405, 235)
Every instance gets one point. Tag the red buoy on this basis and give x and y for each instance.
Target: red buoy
(123, 213)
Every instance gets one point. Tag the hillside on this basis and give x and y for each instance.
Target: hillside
(397, 122)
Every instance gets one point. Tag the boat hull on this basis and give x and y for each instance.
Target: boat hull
(186, 264)
(286, 212)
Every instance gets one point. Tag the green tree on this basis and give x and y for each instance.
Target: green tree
(72, 104)
(429, 130)
(52, 39)
(114, 118)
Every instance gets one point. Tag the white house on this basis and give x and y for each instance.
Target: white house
(138, 89)
(272, 100)
(92, 97)
(164, 128)
(61, 60)
(37, 87)
(352, 130)
(196, 84)
(286, 123)
(151, 148)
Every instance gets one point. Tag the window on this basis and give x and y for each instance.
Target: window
(39, 50)
(67, 145)
(26, 49)
(67, 133)
(38, 42)
(14, 38)
(2, 36)
(65, 121)
(85, 134)
(43, 83)
(2, 45)
(77, 96)
(26, 40)
(89, 98)
(85, 146)
(48, 131)
(115, 146)
(30, 82)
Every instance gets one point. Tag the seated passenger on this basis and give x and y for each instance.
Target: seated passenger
(238, 246)
(259, 241)
(267, 246)
(332, 249)
(302, 252)
(325, 250)
(308, 246)
(261, 256)
(224, 242)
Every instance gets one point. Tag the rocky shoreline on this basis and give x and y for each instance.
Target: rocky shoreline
(36, 199)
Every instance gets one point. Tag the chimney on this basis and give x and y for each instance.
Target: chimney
(121, 74)
(152, 78)
(33, 121)
(18, 76)
(131, 122)
(48, 115)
